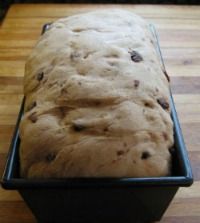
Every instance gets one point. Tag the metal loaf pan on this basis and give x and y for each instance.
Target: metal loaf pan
(130, 200)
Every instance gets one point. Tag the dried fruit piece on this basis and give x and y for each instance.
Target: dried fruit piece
(165, 136)
(135, 56)
(50, 157)
(105, 129)
(151, 41)
(78, 127)
(136, 83)
(148, 104)
(40, 76)
(145, 155)
(74, 56)
(120, 152)
(163, 103)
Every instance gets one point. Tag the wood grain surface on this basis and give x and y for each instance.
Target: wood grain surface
(179, 31)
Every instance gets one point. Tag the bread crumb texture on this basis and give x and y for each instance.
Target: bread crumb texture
(97, 100)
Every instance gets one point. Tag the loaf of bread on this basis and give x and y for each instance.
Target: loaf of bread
(97, 100)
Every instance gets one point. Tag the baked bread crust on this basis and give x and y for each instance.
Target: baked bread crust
(97, 101)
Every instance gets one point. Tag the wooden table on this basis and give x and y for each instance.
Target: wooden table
(179, 31)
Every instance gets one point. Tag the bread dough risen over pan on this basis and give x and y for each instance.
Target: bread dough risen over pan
(97, 100)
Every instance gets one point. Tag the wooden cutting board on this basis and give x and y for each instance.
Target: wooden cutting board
(179, 31)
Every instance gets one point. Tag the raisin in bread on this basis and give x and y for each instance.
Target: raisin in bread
(97, 100)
